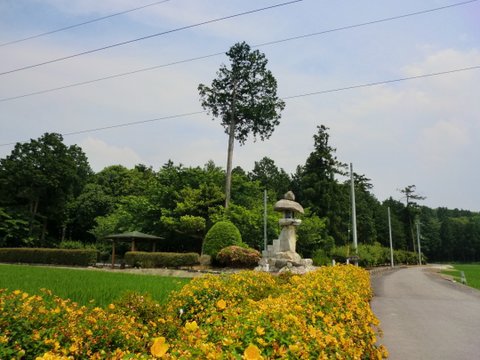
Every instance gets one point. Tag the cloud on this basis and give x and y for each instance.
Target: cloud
(100, 154)
(444, 141)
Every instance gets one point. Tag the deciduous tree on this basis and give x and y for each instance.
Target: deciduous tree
(40, 177)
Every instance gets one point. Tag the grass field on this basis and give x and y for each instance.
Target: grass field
(82, 286)
(472, 273)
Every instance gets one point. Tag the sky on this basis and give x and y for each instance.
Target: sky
(424, 131)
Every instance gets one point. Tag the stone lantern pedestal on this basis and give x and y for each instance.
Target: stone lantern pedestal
(281, 256)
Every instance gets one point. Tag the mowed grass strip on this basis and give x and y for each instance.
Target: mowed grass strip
(472, 273)
(83, 286)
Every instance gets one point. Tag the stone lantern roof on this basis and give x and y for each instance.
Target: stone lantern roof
(288, 203)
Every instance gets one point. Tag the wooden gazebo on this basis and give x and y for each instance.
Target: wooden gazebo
(134, 237)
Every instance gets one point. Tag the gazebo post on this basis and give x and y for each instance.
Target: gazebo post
(131, 237)
(113, 254)
(154, 246)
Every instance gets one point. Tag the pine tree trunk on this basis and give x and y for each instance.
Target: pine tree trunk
(231, 143)
(228, 182)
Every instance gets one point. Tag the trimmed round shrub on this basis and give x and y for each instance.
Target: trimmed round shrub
(221, 235)
(237, 256)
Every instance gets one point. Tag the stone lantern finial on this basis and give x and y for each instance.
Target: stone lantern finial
(289, 195)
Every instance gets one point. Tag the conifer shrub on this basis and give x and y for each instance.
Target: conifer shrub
(221, 235)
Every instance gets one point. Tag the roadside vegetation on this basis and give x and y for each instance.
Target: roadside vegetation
(251, 315)
(471, 271)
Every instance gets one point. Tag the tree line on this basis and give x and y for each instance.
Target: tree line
(49, 194)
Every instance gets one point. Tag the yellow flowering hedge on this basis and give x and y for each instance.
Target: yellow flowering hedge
(249, 315)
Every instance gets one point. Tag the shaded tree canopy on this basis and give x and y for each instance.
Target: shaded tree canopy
(38, 179)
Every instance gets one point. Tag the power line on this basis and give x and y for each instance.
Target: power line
(123, 125)
(348, 27)
(351, 87)
(109, 77)
(151, 36)
(133, 123)
(274, 42)
(82, 23)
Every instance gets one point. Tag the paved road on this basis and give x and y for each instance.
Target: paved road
(426, 317)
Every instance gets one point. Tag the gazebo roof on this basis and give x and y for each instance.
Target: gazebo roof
(134, 235)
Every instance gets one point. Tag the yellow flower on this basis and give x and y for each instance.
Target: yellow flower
(261, 341)
(191, 326)
(111, 306)
(227, 341)
(293, 347)
(221, 304)
(260, 331)
(252, 353)
(159, 347)
(73, 348)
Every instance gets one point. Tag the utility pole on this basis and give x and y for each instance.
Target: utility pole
(354, 213)
(418, 241)
(390, 234)
(265, 220)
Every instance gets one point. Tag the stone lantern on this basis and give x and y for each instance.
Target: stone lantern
(281, 255)
(288, 237)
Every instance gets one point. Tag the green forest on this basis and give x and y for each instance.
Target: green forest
(49, 196)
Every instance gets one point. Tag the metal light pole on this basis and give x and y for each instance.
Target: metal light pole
(265, 220)
(354, 211)
(390, 234)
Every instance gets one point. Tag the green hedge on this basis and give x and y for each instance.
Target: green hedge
(77, 257)
(375, 255)
(160, 259)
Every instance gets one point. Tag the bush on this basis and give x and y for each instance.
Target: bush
(324, 314)
(237, 256)
(71, 244)
(48, 327)
(374, 255)
(139, 306)
(160, 259)
(221, 235)
(77, 257)
(320, 258)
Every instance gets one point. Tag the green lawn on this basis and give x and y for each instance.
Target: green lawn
(84, 285)
(472, 273)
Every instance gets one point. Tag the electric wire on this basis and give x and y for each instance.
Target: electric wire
(351, 87)
(274, 42)
(321, 92)
(151, 36)
(82, 23)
